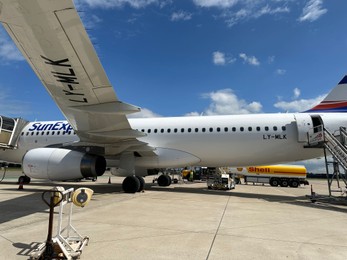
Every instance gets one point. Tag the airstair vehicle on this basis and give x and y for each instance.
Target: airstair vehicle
(10, 129)
(335, 144)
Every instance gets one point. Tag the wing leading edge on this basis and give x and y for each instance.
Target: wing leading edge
(52, 38)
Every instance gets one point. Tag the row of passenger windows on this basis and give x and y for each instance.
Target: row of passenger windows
(175, 130)
(211, 129)
(50, 133)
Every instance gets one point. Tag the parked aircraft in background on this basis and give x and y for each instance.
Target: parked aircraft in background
(97, 133)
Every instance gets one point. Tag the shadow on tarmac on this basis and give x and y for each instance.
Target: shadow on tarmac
(22, 206)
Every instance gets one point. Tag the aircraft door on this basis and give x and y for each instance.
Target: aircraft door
(304, 126)
(10, 129)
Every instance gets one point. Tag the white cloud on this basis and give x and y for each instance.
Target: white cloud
(251, 60)
(144, 113)
(8, 50)
(193, 114)
(90, 21)
(297, 93)
(215, 3)
(120, 3)
(280, 71)
(312, 11)
(218, 58)
(225, 102)
(236, 11)
(316, 165)
(267, 10)
(299, 105)
(181, 16)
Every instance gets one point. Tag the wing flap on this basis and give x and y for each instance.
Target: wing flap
(52, 38)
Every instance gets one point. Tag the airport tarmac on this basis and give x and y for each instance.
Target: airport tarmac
(183, 221)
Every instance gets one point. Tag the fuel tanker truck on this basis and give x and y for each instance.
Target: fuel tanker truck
(283, 175)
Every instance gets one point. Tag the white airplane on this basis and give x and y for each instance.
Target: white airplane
(98, 134)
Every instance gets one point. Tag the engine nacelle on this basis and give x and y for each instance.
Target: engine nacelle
(58, 164)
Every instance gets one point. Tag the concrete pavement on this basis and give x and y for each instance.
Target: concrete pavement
(183, 221)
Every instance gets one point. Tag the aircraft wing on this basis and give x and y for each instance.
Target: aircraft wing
(52, 38)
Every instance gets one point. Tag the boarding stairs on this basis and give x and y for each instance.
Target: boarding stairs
(336, 145)
(10, 130)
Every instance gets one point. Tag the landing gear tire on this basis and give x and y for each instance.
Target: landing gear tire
(131, 184)
(294, 184)
(274, 182)
(142, 183)
(284, 183)
(164, 180)
(24, 179)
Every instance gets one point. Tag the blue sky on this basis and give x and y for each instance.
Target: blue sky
(176, 58)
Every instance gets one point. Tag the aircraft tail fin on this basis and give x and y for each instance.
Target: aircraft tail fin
(335, 101)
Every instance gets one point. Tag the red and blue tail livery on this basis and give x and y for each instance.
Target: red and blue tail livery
(335, 101)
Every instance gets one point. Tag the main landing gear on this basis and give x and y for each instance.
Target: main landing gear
(132, 184)
(24, 179)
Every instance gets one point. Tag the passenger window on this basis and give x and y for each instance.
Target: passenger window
(242, 129)
(258, 128)
(155, 130)
(47, 133)
(266, 128)
(234, 129)
(226, 129)
(196, 130)
(22, 133)
(218, 129)
(182, 130)
(53, 132)
(169, 130)
(189, 130)
(149, 131)
(162, 130)
(143, 130)
(27, 133)
(32, 133)
(250, 129)
(58, 133)
(275, 128)
(211, 129)
(284, 128)
(37, 133)
(175, 130)
(42, 133)
(203, 129)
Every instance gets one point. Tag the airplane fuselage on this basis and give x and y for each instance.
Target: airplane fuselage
(235, 140)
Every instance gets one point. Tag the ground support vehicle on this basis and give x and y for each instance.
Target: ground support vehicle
(221, 182)
(275, 175)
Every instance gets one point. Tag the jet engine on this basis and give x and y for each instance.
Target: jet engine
(62, 164)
